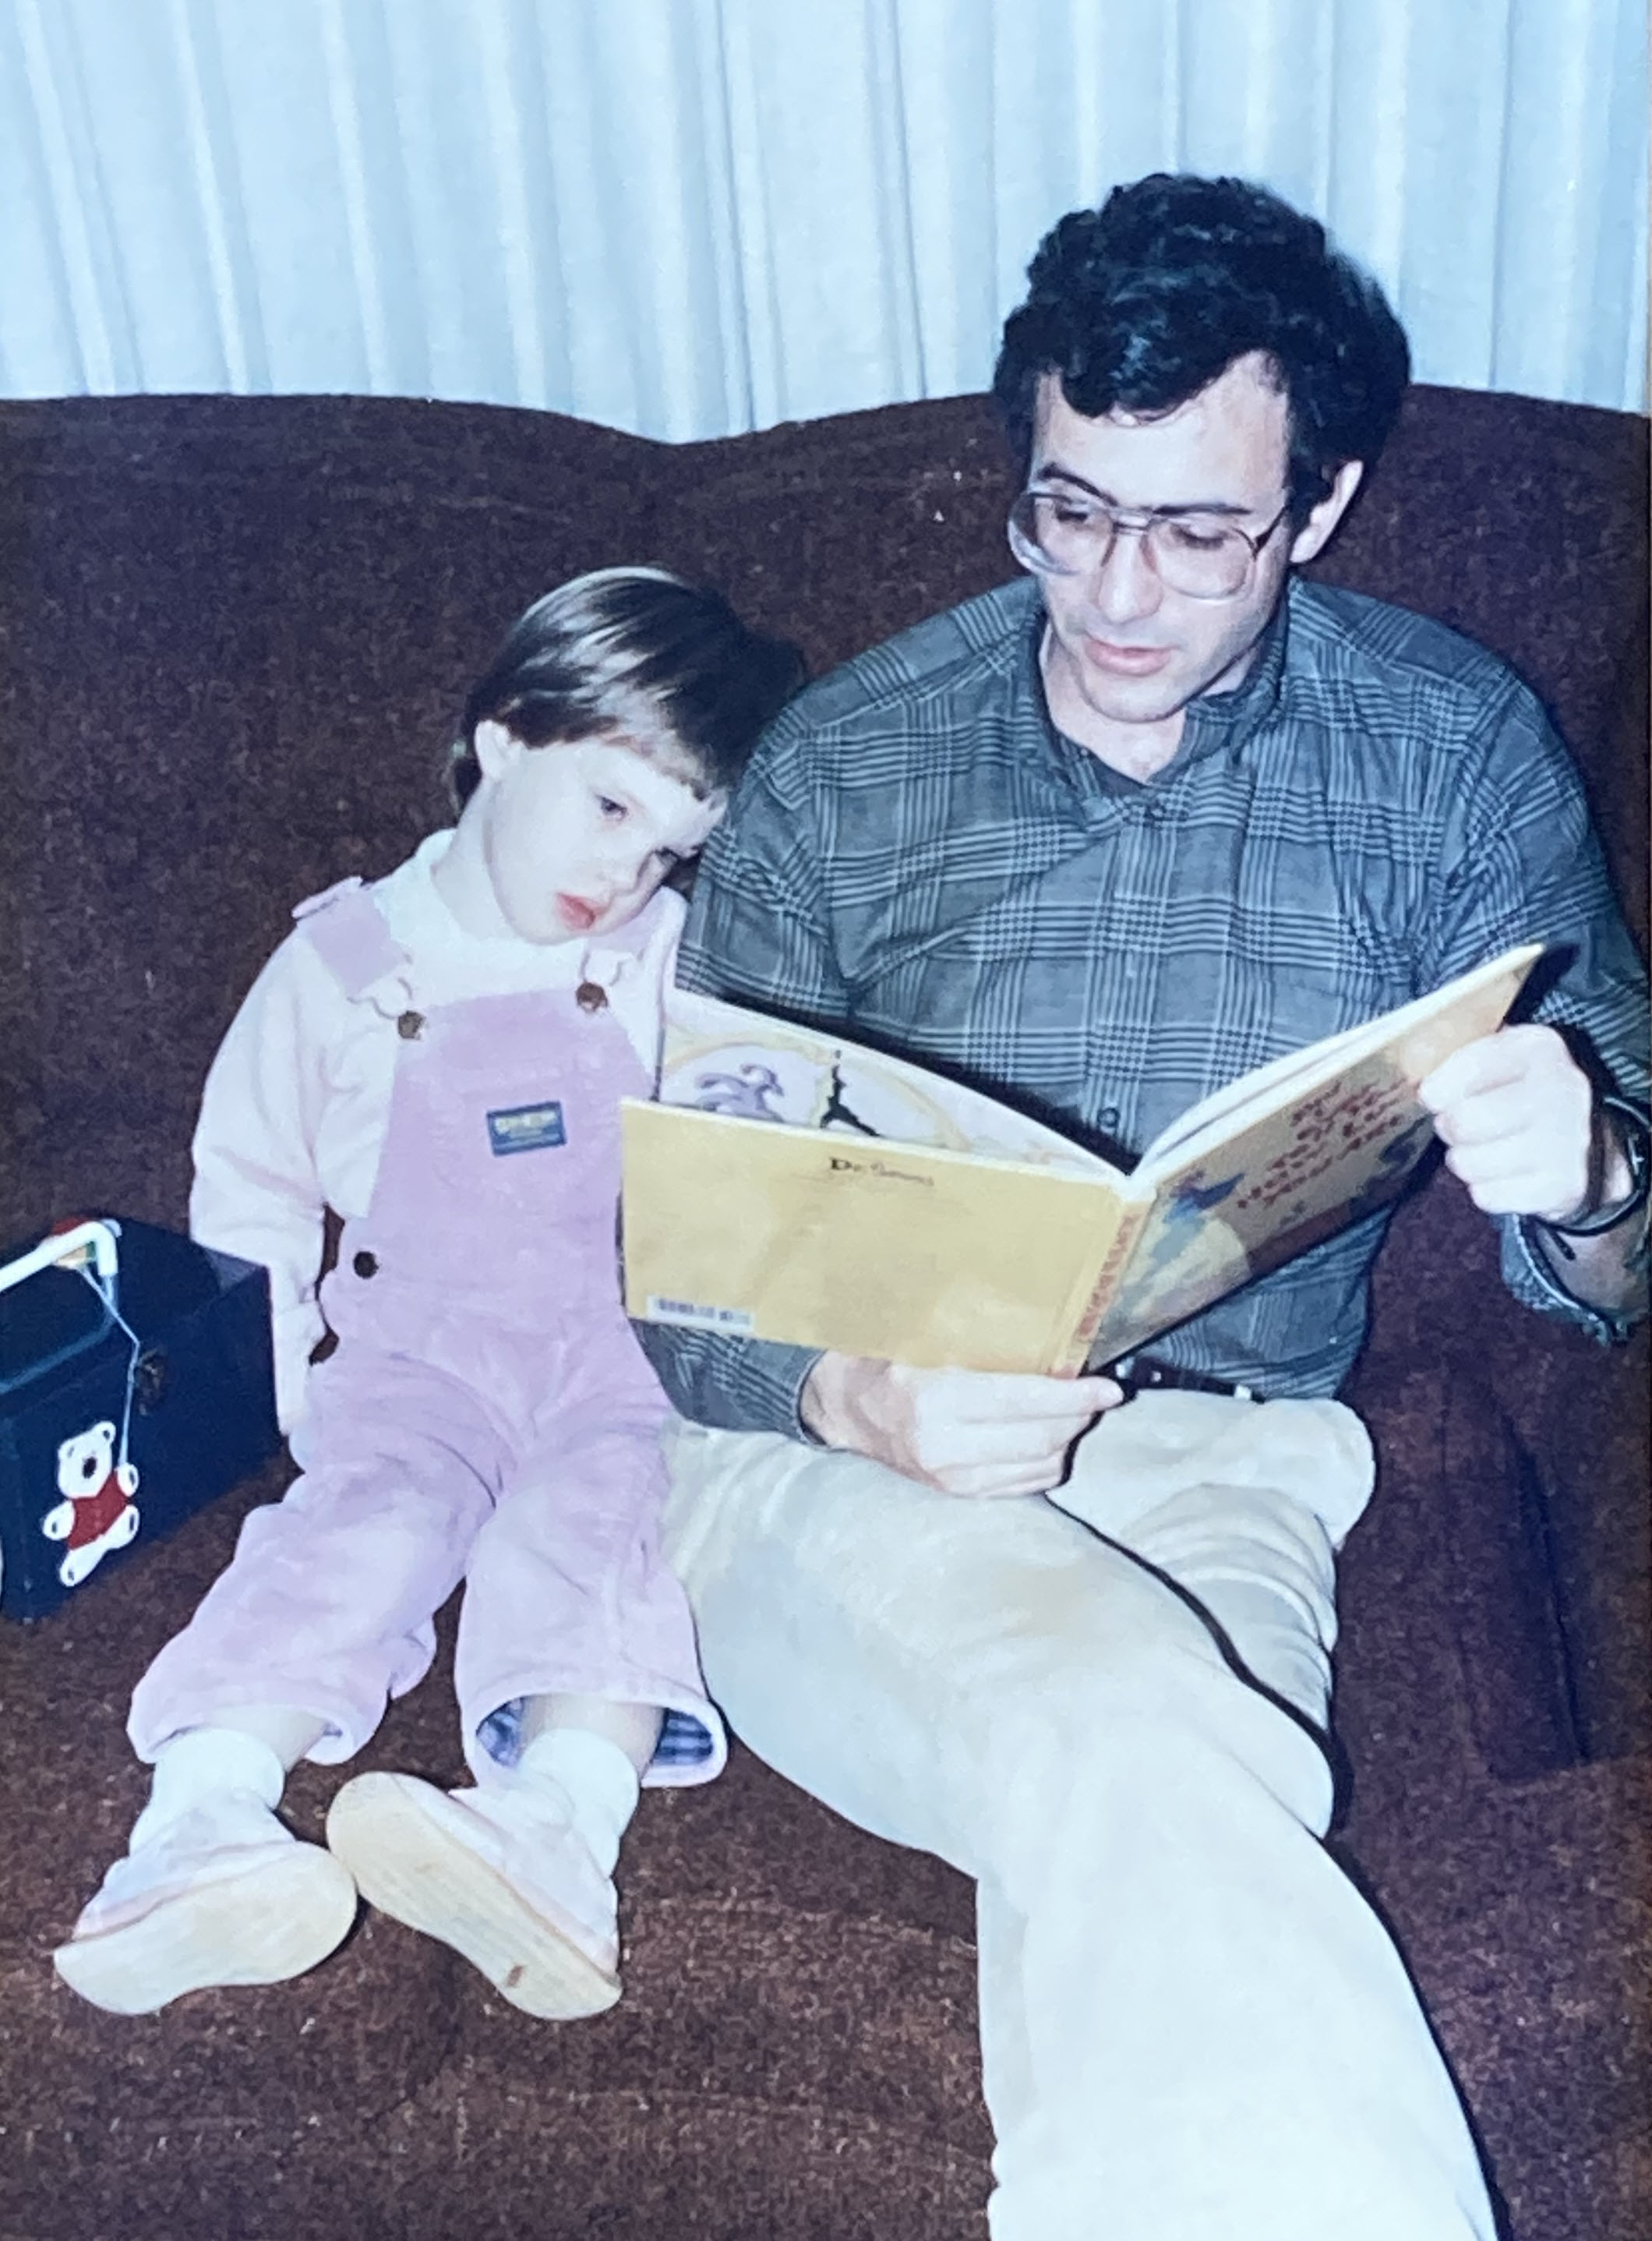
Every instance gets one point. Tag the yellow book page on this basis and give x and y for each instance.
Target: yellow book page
(822, 1240)
(1418, 1036)
(1238, 1200)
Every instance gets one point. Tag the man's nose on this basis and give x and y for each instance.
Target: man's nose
(1126, 586)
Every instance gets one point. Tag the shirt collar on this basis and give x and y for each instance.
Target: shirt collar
(1217, 722)
(425, 916)
(1228, 721)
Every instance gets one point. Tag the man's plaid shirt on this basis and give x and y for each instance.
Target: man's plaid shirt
(917, 856)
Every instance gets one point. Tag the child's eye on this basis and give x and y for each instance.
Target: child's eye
(612, 810)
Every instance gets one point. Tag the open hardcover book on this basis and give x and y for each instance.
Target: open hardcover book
(791, 1185)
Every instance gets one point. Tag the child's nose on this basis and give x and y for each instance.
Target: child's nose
(632, 866)
(619, 876)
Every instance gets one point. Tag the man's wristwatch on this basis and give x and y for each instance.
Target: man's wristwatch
(1637, 1143)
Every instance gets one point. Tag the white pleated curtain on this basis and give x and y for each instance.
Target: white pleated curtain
(690, 216)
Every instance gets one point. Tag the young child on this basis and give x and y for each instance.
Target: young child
(439, 1057)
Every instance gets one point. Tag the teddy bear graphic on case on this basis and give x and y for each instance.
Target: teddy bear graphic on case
(97, 1512)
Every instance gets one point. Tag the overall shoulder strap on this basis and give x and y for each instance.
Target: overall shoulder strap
(346, 928)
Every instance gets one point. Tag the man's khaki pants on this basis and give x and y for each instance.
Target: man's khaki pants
(1104, 1707)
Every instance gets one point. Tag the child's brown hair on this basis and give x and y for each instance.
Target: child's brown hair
(634, 653)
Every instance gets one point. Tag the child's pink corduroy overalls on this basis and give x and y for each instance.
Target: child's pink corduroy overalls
(488, 1415)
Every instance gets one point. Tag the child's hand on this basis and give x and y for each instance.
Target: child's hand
(974, 1433)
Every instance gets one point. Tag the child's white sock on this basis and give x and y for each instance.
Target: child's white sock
(220, 1770)
(597, 1779)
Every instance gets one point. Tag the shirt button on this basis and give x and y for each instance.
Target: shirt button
(1108, 1116)
(365, 1264)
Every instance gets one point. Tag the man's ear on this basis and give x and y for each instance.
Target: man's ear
(497, 746)
(1315, 533)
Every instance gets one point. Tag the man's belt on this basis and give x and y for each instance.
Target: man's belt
(1142, 1373)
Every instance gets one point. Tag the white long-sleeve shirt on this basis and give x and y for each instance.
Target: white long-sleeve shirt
(294, 1111)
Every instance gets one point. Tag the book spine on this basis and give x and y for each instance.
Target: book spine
(1108, 1276)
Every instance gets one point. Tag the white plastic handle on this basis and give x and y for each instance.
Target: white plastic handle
(95, 1239)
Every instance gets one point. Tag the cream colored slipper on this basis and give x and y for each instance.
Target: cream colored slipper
(526, 1904)
(233, 1914)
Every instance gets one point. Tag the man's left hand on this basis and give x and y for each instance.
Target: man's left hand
(1516, 1114)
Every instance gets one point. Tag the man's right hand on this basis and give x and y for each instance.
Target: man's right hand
(970, 1432)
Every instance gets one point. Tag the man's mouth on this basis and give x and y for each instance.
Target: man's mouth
(1125, 660)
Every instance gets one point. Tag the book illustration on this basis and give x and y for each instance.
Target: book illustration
(791, 1184)
(1184, 1255)
(1194, 1197)
(720, 1058)
(838, 1113)
(748, 1094)
(801, 1087)
(744, 1094)
(1294, 1178)
(1395, 1162)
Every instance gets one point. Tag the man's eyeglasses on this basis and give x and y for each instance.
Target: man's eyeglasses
(1205, 555)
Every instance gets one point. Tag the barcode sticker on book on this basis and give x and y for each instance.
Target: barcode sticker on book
(696, 1316)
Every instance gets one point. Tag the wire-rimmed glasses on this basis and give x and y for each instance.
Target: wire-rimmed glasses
(1205, 555)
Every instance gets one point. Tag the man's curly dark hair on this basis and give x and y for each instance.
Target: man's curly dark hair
(1140, 303)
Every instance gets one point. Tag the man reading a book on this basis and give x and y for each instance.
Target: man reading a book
(1101, 840)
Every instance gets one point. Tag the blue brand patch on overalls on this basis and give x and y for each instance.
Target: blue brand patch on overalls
(526, 1129)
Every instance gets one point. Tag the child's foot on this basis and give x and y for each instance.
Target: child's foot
(222, 1895)
(504, 1880)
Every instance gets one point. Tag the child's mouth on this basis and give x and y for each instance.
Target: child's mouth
(577, 913)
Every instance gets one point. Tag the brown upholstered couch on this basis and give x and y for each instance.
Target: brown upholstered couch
(231, 636)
